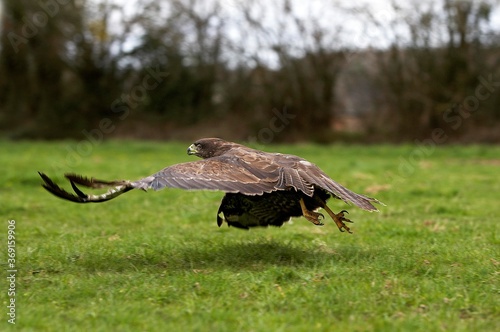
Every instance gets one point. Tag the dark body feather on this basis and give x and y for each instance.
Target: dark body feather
(245, 211)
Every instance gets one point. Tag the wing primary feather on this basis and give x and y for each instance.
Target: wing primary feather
(80, 196)
(77, 191)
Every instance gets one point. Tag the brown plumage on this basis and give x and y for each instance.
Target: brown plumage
(261, 188)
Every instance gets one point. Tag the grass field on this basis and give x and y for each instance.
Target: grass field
(156, 261)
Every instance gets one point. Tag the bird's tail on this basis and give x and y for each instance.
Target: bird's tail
(118, 188)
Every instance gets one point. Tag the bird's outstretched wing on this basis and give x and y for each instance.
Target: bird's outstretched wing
(305, 176)
(119, 187)
(219, 173)
(310, 173)
(315, 175)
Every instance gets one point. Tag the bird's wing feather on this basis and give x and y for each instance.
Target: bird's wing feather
(313, 174)
(223, 173)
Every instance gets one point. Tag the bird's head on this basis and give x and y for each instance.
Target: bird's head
(209, 147)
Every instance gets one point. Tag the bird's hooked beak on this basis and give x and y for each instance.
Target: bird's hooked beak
(192, 149)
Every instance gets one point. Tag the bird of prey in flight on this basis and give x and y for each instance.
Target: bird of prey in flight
(260, 188)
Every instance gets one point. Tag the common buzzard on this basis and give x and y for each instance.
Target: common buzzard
(260, 188)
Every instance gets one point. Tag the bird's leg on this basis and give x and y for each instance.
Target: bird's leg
(338, 218)
(312, 216)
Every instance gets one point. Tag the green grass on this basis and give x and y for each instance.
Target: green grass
(429, 261)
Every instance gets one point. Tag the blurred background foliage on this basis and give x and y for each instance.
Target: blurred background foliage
(182, 69)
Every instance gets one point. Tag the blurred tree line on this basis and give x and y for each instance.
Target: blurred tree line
(71, 66)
